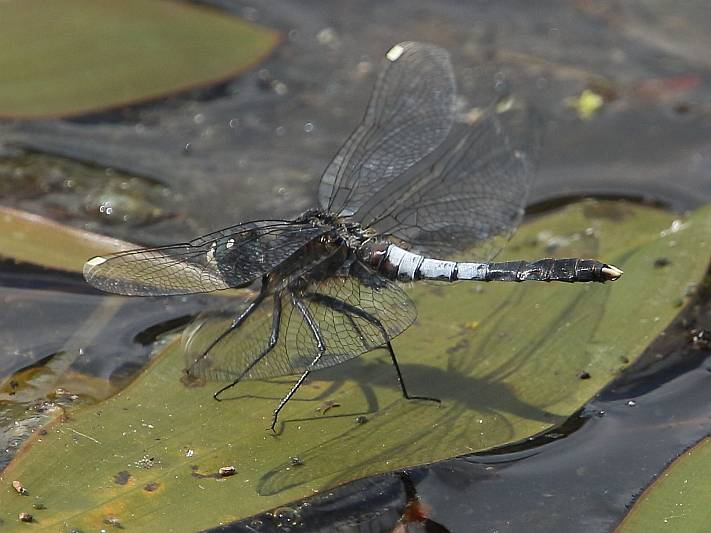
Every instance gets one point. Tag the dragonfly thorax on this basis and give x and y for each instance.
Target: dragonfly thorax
(350, 233)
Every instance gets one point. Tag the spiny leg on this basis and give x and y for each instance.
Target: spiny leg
(273, 339)
(402, 382)
(349, 309)
(320, 348)
(236, 322)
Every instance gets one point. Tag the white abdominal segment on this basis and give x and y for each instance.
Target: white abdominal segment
(410, 267)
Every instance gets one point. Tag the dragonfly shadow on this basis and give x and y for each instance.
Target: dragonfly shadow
(465, 399)
(467, 392)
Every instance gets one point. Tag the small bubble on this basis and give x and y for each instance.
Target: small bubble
(234, 122)
(280, 130)
(199, 118)
(326, 36)
(280, 88)
(264, 79)
(501, 86)
(250, 13)
(631, 403)
(308, 127)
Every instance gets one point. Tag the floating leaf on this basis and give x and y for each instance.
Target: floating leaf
(678, 499)
(505, 359)
(38, 240)
(77, 56)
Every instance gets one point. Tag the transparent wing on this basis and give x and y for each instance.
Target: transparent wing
(469, 194)
(410, 113)
(231, 257)
(354, 314)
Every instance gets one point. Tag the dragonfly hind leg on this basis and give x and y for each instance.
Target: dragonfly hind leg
(320, 351)
(273, 339)
(349, 310)
(401, 381)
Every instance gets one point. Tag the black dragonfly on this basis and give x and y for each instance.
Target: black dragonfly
(416, 179)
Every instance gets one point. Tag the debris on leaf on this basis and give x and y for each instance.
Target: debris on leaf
(226, 471)
(587, 104)
(19, 487)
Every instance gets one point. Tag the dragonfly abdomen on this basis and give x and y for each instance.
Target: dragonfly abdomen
(397, 263)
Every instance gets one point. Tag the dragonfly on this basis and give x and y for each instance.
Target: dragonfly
(417, 183)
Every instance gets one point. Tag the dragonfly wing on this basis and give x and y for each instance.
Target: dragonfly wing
(410, 113)
(469, 194)
(345, 309)
(231, 257)
(355, 314)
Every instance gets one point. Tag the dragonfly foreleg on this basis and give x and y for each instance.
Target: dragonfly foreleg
(237, 322)
(350, 310)
(273, 339)
(320, 350)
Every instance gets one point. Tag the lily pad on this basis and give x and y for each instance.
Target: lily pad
(34, 239)
(78, 56)
(505, 359)
(678, 499)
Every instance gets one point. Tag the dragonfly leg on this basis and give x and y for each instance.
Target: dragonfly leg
(237, 322)
(349, 309)
(273, 339)
(402, 382)
(320, 350)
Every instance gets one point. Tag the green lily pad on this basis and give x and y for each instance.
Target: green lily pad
(30, 238)
(505, 359)
(678, 499)
(77, 56)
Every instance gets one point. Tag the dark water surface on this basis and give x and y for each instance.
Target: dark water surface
(256, 147)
